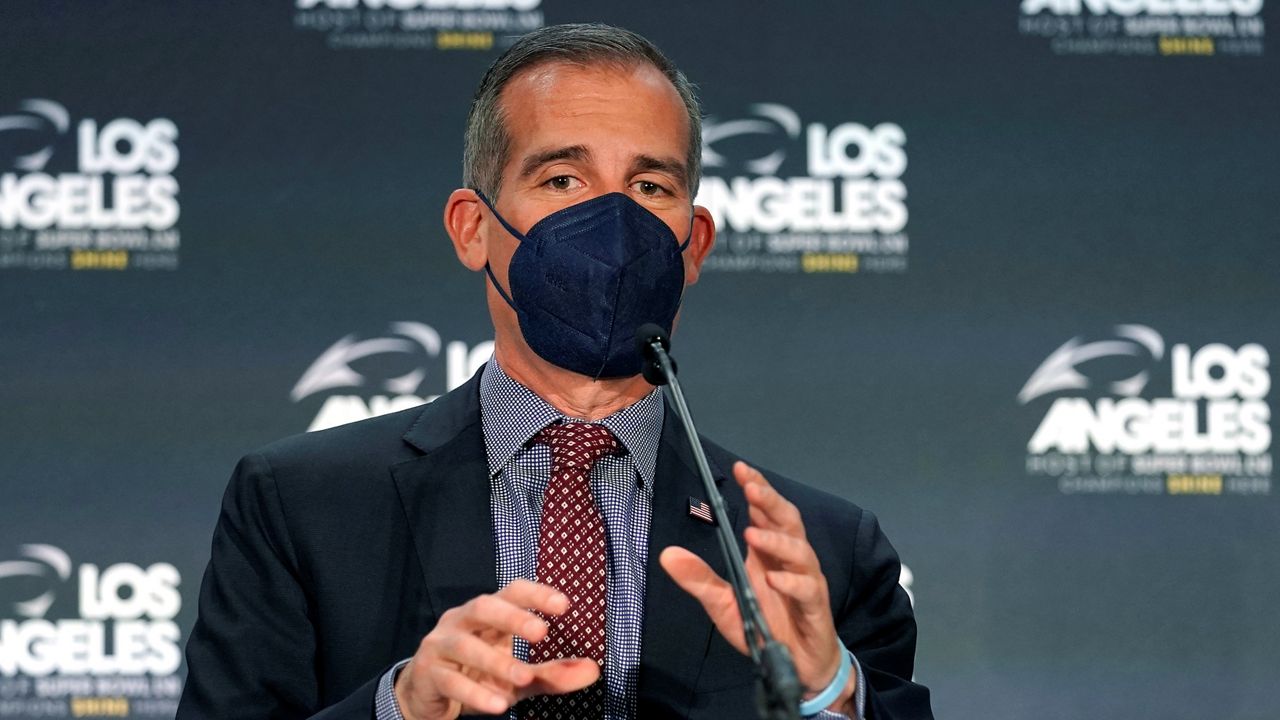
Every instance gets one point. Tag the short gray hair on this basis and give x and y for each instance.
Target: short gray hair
(487, 144)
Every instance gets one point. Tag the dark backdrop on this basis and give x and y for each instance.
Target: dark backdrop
(946, 229)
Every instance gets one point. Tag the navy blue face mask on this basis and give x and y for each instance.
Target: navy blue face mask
(585, 278)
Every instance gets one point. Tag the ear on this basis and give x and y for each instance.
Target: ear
(702, 238)
(462, 215)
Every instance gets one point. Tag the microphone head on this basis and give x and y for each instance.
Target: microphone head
(646, 336)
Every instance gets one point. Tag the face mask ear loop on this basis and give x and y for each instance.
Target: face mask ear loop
(515, 233)
(494, 279)
(684, 246)
(688, 238)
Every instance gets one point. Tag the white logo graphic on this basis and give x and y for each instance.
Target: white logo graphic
(51, 558)
(1058, 371)
(124, 625)
(424, 4)
(37, 116)
(773, 118)
(418, 24)
(1209, 433)
(790, 196)
(137, 159)
(1146, 27)
(1151, 7)
(110, 204)
(333, 368)
(851, 182)
(409, 351)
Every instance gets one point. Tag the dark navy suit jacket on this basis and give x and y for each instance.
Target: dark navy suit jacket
(336, 551)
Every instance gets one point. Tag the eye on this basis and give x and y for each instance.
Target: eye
(647, 187)
(562, 182)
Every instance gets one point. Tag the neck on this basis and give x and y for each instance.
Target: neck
(575, 395)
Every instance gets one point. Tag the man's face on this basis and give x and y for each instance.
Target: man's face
(577, 133)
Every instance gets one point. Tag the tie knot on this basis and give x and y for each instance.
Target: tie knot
(578, 444)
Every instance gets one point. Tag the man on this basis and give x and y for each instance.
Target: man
(387, 568)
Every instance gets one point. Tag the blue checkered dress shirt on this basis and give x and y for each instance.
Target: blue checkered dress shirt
(511, 414)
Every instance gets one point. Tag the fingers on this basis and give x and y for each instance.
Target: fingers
(695, 577)
(502, 615)
(782, 551)
(453, 684)
(474, 654)
(536, 596)
(692, 574)
(767, 506)
(466, 659)
(806, 590)
(556, 677)
(786, 574)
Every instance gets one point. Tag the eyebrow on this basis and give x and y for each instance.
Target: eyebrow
(532, 162)
(580, 153)
(669, 166)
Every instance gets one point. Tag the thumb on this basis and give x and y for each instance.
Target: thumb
(556, 677)
(696, 577)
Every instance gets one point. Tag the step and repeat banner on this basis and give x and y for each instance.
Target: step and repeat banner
(1005, 272)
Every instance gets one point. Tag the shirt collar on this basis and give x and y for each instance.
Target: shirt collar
(511, 414)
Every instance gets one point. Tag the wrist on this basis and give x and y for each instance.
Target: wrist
(837, 693)
(401, 690)
(846, 703)
(812, 688)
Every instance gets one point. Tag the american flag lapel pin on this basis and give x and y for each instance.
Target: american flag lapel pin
(701, 510)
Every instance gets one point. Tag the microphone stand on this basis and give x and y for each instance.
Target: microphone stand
(777, 686)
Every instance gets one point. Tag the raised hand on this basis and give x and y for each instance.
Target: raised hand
(465, 665)
(784, 572)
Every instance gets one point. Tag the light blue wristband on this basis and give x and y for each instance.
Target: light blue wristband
(809, 708)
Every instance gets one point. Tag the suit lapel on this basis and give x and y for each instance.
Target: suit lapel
(445, 496)
(677, 631)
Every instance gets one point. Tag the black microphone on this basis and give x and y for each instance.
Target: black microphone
(777, 686)
(648, 334)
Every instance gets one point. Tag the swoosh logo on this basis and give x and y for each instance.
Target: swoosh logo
(37, 115)
(333, 368)
(772, 118)
(1059, 370)
(50, 558)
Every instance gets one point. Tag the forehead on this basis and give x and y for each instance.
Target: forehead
(611, 105)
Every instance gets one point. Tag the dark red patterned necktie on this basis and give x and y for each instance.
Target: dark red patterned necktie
(571, 557)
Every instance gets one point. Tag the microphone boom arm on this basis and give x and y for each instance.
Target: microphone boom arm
(778, 688)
